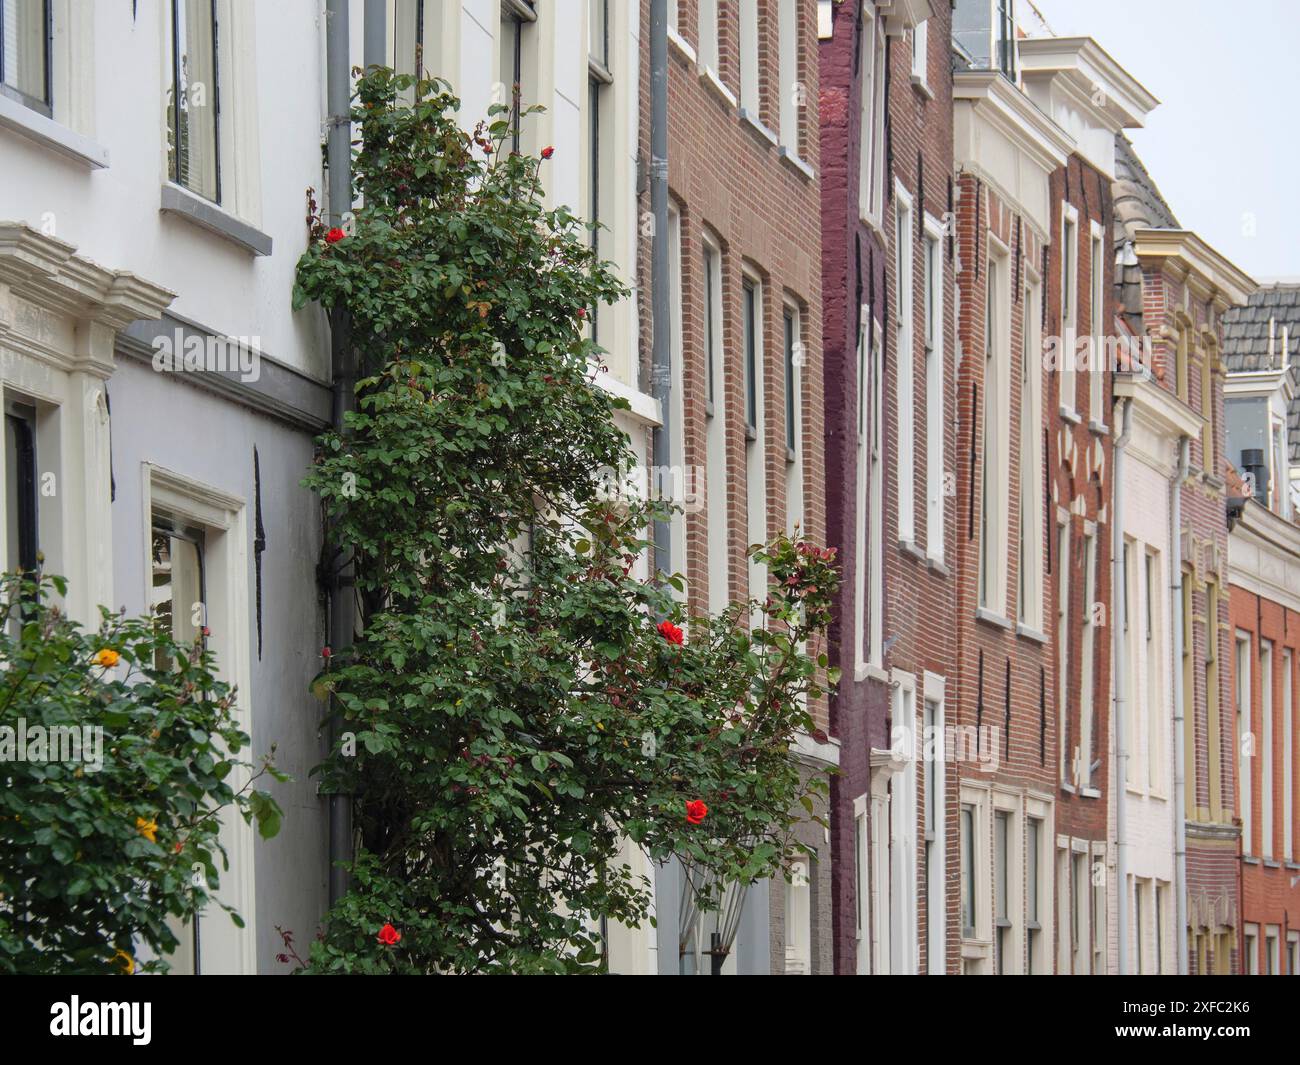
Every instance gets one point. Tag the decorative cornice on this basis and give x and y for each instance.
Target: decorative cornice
(1114, 97)
(1210, 275)
(1013, 114)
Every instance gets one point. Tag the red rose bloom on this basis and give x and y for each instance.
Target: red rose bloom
(547, 152)
(670, 632)
(696, 811)
(334, 235)
(390, 936)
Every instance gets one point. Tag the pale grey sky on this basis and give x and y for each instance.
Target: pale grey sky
(1224, 144)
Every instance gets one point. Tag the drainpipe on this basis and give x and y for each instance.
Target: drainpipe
(343, 364)
(1120, 597)
(660, 371)
(1180, 753)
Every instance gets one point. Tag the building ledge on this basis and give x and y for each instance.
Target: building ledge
(710, 78)
(51, 135)
(207, 215)
(752, 120)
(790, 157)
(990, 618)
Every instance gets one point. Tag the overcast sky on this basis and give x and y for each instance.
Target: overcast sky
(1224, 144)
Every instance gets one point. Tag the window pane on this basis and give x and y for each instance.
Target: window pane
(751, 393)
(22, 57)
(789, 382)
(193, 100)
(20, 492)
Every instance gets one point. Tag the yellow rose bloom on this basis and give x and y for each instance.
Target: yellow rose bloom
(107, 658)
(147, 828)
(128, 963)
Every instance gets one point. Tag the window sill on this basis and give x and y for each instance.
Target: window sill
(1067, 786)
(870, 672)
(1090, 793)
(790, 157)
(908, 547)
(1250, 859)
(752, 120)
(681, 44)
(1031, 634)
(51, 135)
(182, 202)
(1100, 428)
(1070, 416)
(936, 566)
(990, 618)
(1272, 863)
(710, 78)
(920, 85)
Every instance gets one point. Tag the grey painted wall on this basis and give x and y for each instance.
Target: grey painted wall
(161, 419)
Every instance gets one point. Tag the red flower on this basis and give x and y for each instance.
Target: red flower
(389, 936)
(334, 235)
(670, 632)
(696, 811)
(582, 312)
(325, 652)
(547, 152)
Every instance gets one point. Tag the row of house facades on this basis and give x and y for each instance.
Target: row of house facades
(926, 305)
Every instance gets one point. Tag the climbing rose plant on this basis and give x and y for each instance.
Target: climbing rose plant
(100, 849)
(521, 705)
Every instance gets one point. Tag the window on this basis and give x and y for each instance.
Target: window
(715, 439)
(516, 15)
(1063, 645)
(416, 39)
(1213, 732)
(1189, 720)
(798, 920)
(1086, 666)
(1001, 891)
(1065, 918)
(1209, 458)
(1139, 926)
(1079, 902)
(1293, 954)
(935, 829)
(1152, 666)
(1266, 747)
(179, 603)
(1272, 959)
(789, 89)
(1097, 305)
(994, 450)
(675, 483)
(1160, 890)
(25, 38)
(932, 261)
(1250, 951)
(902, 839)
(707, 49)
(1069, 284)
(860, 893)
(1029, 597)
(755, 450)
(871, 173)
(1099, 909)
(747, 33)
(868, 520)
(905, 362)
(793, 418)
(598, 80)
(876, 473)
(1005, 34)
(1245, 743)
(1034, 896)
(21, 501)
(920, 52)
(194, 100)
(1288, 758)
(968, 881)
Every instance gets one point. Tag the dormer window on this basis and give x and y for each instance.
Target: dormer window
(985, 30)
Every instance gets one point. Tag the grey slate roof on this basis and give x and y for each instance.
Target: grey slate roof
(1138, 205)
(1245, 342)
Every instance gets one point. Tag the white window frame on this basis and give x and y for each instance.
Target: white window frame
(226, 949)
(920, 41)
(1087, 662)
(995, 478)
(676, 479)
(935, 823)
(869, 605)
(871, 162)
(1080, 908)
(1243, 649)
(1008, 805)
(1097, 328)
(788, 112)
(933, 304)
(1064, 533)
(1069, 307)
(798, 918)
(1288, 755)
(793, 367)
(977, 948)
(747, 41)
(903, 919)
(862, 882)
(904, 367)
(1030, 586)
(707, 35)
(1266, 748)
(1250, 949)
(717, 471)
(755, 445)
